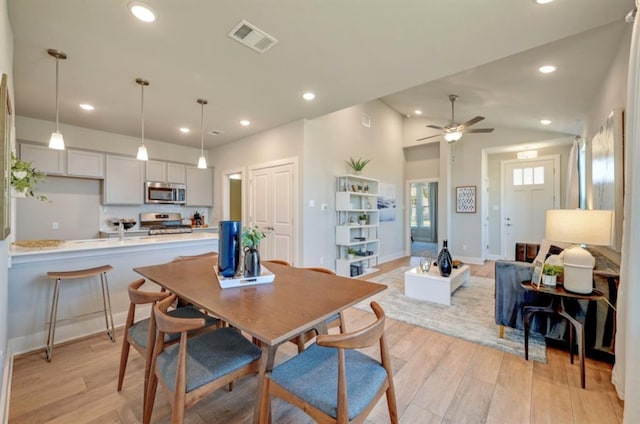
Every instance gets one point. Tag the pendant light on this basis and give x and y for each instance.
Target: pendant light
(202, 161)
(56, 141)
(142, 150)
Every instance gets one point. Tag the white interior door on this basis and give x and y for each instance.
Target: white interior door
(272, 209)
(529, 189)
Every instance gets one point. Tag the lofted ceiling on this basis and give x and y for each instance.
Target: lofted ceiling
(408, 53)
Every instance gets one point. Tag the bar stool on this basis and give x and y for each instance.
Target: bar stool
(106, 299)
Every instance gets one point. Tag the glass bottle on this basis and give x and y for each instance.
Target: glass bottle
(445, 262)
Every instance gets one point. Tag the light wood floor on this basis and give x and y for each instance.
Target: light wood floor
(438, 379)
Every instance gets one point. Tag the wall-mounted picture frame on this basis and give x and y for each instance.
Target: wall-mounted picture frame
(5, 159)
(466, 199)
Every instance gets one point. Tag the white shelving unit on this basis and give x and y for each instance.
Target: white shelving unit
(356, 197)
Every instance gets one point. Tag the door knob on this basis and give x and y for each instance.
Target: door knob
(270, 228)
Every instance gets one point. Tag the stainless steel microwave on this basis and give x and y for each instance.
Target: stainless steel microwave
(171, 193)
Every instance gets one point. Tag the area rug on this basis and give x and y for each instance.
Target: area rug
(470, 316)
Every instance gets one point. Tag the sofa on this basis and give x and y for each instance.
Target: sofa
(599, 317)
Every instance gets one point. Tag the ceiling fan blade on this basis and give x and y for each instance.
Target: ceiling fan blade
(479, 130)
(472, 121)
(431, 136)
(435, 127)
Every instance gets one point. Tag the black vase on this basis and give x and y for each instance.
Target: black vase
(229, 247)
(251, 262)
(445, 263)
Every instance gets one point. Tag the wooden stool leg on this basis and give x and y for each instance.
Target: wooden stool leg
(106, 300)
(52, 320)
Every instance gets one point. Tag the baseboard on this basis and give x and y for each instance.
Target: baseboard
(5, 395)
(495, 257)
(68, 332)
(392, 257)
(470, 260)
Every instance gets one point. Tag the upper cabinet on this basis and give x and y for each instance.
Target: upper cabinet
(199, 186)
(124, 181)
(69, 162)
(81, 163)
(165, 172)
(44, 159)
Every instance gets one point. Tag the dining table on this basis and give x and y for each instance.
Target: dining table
(296, 301)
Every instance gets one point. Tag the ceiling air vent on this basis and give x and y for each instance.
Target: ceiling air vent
(252, 37)
(216, 132)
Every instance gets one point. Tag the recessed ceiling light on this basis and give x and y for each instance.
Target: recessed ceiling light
(86, 106)
(545, 121)
(245, 123)
(143, 12)
(543, 1)
(417, 112)
(308, 96)
(547, 69)
(184, 130)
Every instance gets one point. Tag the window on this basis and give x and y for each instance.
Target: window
(528, 176)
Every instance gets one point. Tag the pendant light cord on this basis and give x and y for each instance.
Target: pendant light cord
(202, 129)
(142, 110)
(57, 101)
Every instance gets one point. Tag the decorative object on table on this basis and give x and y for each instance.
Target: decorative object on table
(250, 241)
(425, 262)
(37, 244)
(24, 178)
(466, 199)
(229, 247)
(593, 227)
(550, 274)
(197, 219)
(264, 276)
(445, 263)
(357, 165)
(536, 276)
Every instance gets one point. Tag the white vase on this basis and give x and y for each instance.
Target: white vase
(549, 280)
(16, 193)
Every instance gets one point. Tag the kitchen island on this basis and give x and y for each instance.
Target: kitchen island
(80, 306)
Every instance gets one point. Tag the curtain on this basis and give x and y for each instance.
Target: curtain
(572, 200)
(626, 371)
(433, 211)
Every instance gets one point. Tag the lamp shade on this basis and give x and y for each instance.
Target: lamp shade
(142, 153)
(202, 162)
(56, 141)
(580, 226)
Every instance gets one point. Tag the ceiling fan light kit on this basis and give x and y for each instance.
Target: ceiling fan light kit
(454, 131)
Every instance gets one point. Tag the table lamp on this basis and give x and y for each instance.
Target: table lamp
(579, 226)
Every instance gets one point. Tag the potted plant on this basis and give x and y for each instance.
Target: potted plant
(550, 274)
(362, 219)
(197, 219)
(24, 178)
(357, 165)
(350, 252)
(250, 241)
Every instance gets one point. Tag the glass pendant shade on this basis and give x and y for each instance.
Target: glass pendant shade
(202, 161)
(142, 153)
(56, 141)
(142, 149)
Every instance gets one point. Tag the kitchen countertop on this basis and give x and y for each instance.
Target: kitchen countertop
(111, 243)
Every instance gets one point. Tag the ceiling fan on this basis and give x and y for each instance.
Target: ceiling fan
(453, 131)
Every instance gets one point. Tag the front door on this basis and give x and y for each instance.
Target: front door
(530, 187)
(272, 209)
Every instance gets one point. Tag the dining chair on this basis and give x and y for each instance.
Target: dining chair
(331, 381)
(196, 366)
(335, 321)
(277, 261)
(200, 256)
(141, 334)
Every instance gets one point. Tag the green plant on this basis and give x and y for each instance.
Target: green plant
(357, 164)
(25, 177)
(552, 269)
(251, 237)
(362, 217)
(197, 215)
(351, 251)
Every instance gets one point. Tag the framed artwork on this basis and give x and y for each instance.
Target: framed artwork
(536, 276)
(387, 202)
(466, 199)
(607, 173)
(5, 159)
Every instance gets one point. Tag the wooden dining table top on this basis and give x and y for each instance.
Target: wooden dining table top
(273, 313)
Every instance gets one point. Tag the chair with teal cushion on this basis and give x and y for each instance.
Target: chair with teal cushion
(196, 366)
(333, 382)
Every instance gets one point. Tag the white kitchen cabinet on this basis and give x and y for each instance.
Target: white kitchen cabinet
(124, 180)
(44, 159)
(165, 172)
(357, 225)
(81, 163)
(199, 186)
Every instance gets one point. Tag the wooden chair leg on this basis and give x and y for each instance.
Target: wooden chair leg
(124, 357)
(151, 397)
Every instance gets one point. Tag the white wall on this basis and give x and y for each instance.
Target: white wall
(6, 66)
(422, 162)
(328, 142)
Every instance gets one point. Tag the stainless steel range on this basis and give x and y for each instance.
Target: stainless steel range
(163, 223)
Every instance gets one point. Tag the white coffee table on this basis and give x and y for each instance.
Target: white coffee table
(432, 286)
